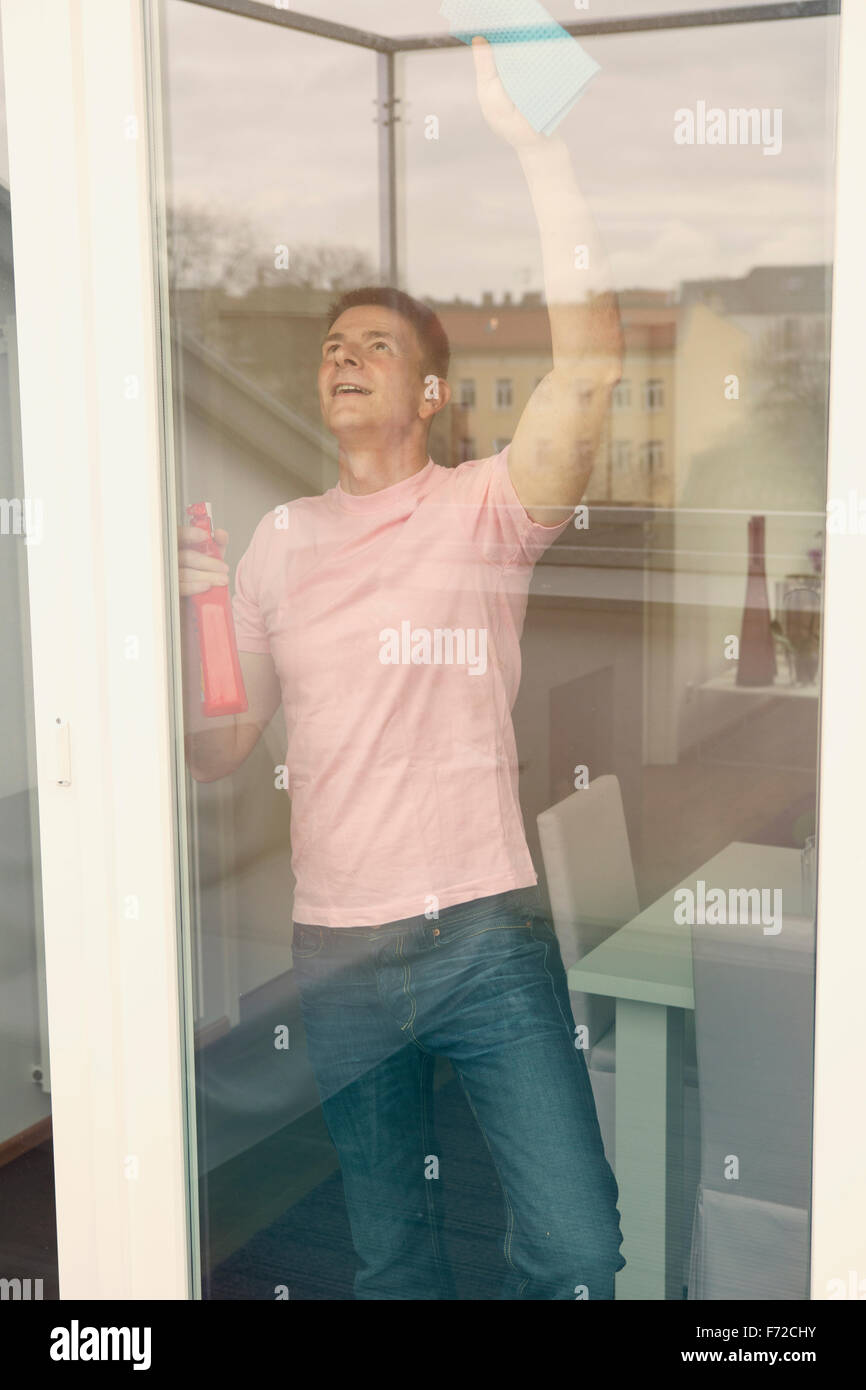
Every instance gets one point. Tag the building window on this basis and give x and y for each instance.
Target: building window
(653, 394)
(504, 397)
(466, 395)
(466, 448)
(621, 397)
(651, 456)
(620, 455)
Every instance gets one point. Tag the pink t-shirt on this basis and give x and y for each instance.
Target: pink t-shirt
(394, 621)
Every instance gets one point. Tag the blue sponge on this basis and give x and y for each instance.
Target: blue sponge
(542, 68)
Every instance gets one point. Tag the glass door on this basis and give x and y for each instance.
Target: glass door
(663, 747)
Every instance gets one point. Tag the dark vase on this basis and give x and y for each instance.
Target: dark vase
(757, 664)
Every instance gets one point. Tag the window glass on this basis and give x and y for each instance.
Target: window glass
(635, 723)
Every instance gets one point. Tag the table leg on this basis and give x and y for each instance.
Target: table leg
(649, 1153)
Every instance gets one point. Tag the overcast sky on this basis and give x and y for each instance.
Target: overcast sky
(277, 127)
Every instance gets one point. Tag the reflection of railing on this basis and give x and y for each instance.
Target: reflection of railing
(628, 24)
(388, 49)
(629, 536)
(634, 24)
(682, 557)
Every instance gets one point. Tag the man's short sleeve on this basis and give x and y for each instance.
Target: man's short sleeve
(514, 537)
(250, 629)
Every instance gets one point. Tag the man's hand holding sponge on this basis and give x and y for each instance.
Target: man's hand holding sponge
(542, 68)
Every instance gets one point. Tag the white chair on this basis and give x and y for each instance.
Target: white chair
(754, 1000)
(592, 893)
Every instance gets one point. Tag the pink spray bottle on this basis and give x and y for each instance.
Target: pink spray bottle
(222, 685)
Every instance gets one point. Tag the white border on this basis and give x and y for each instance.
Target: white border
(91, 430)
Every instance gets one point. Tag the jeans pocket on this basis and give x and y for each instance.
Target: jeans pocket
(307, 941)
(544, 929)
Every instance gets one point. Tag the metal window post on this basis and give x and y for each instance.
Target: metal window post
(388, 117)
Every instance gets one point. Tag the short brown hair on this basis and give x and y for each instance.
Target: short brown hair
(435, 348)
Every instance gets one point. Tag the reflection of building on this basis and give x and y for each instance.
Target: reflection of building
(638, 449)
(501, 351)
(785, 310)
(769, 329)
(751, 380)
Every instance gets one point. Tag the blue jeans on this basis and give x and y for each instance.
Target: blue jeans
(484, 986)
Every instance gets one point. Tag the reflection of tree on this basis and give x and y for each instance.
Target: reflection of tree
(209, 249)
(790, 393)
(321, 267)
(263, 321)
(775, 458)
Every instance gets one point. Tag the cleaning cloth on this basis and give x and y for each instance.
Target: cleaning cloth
(542, 68)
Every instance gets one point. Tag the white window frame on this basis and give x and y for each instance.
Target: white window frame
(93, 441)
(89, 313)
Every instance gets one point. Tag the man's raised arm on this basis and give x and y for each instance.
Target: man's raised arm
(556, 440)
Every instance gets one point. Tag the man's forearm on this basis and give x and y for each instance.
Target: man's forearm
(585, 327)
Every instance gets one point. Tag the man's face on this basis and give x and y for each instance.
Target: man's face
(376, 351)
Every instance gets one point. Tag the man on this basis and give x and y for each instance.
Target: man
(386, 616)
